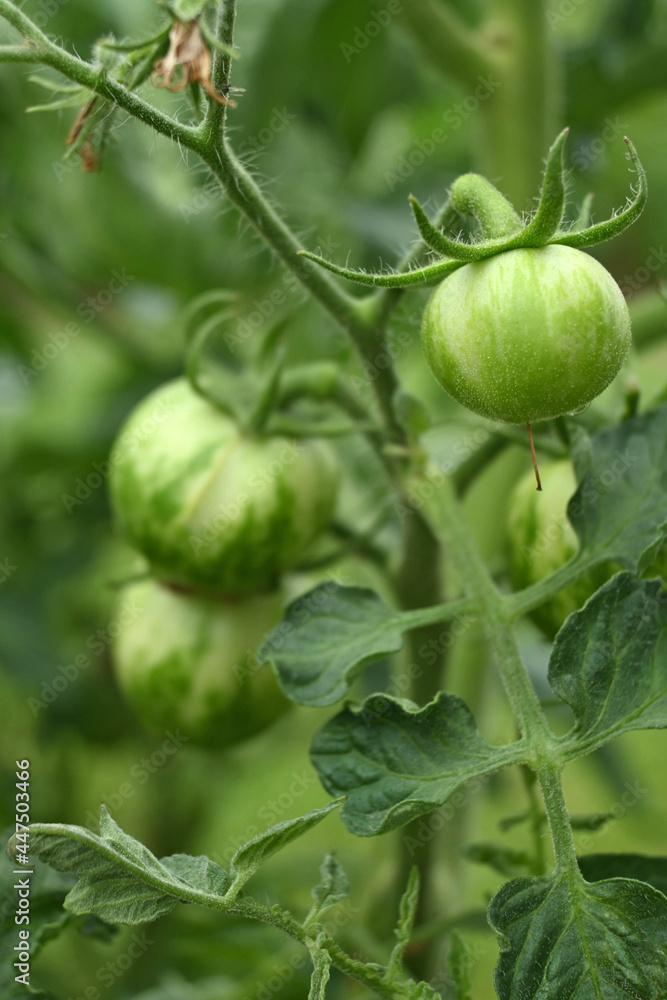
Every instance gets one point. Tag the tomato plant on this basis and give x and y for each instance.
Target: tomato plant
(255, 564)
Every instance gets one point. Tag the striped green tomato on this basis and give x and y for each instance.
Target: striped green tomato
(186, 662)
(542, 540)
(527, 335)
(211, 507)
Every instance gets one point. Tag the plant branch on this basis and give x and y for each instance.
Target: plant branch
(41, 49)
(19, 53)
(222, 69)
(353, 314)
(523, 601)
(373, 979)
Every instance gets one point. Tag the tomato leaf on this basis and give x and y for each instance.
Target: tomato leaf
(329, 635)
(619, 509)
(458, 964)
(326, 639)
(252, 855)
(609, 662)
(395, 762)
(119, 880)
(198, 872)
(563, 938)
(641, 867)
(407, 911)
(333, 887)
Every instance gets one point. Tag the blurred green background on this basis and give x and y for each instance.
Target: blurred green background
(339, 133)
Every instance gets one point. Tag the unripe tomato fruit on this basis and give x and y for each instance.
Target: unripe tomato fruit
(527, 335)
(542, 540)
(211, 507)
(187, 662)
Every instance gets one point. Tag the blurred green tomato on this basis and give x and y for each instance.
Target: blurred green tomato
(528, 334)
(211, 507)
(188, 663)
(542, 540)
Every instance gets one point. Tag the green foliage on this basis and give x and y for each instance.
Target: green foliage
(608, 663)
(395, 762)
(333, 888)
(340, 95)
(252, 855)
(329, 635)
(580, 940)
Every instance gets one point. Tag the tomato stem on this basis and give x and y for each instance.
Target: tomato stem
(534, 457)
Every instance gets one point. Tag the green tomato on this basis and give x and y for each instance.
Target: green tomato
(186, 662)
(542, 540)
(527, 335)
(211, 507)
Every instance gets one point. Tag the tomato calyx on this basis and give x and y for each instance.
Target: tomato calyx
(501, 226)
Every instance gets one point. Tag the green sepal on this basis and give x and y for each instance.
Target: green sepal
(434, 239)
(580, 238)
(418, 276)
(541, 230)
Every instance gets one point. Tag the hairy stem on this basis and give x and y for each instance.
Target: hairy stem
(353, 314)
(448, 522)
(222, 70)
(371, 978)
